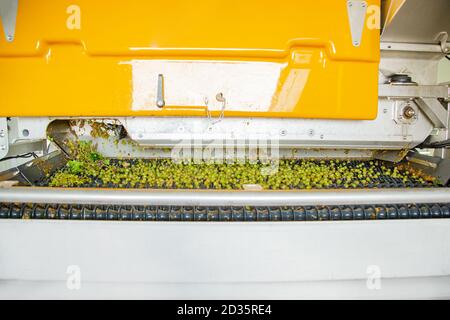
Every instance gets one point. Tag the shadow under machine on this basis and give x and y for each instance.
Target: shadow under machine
(186, 149)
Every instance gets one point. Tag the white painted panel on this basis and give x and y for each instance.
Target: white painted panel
(244, 254)
(245, 85)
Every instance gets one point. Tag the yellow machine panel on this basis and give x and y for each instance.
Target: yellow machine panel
(291, 58)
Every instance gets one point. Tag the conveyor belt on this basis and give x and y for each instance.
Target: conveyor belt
(240, 213)
(323, 170)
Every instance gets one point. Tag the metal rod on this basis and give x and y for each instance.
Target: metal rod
(222, 198)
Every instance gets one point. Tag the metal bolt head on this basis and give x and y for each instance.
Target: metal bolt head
(10, 38)
(220, 97)
(2, 147)
(160, 103)
(409, 112)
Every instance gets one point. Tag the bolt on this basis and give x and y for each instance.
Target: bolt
(2, 133)
(310, 132)
(220, 97)
(10, 38)
(409, 112)
(283, 132)
(2, 147)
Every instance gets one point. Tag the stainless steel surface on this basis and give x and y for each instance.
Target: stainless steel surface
(411, 91)
(418, 21)
(4, 145)
(444, 153)
(35, 170)
(434, 110)
(381, 133)
(435, 166)
(8, 15)
(421, 66)
(222, 198)
(36, 127)
(412, 47)
(356, 15)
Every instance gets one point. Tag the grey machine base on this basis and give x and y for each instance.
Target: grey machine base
(262, 260)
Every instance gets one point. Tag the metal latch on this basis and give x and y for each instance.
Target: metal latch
(160, 93)
(8, 15)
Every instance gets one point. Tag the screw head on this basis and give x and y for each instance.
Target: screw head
(10, 38)
(160, 103)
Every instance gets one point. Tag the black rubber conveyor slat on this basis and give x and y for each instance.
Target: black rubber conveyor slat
(226, 213)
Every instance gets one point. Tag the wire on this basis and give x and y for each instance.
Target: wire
(21, 156)
(447, 57)
(436, 145)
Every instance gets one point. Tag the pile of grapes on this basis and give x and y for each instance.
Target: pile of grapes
(91, 169)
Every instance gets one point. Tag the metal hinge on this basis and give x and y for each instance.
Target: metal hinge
(357, 16)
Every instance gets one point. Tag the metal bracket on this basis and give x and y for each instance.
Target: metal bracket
(442, 37)
(4, 146)
(8, 15)
(434, 110)
(412, 91)
(357, 16)
(434, 166)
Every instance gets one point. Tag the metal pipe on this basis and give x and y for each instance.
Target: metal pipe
(222, 198)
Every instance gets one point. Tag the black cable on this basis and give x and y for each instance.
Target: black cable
(436, 145)
(447, 57)
(21, 156)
